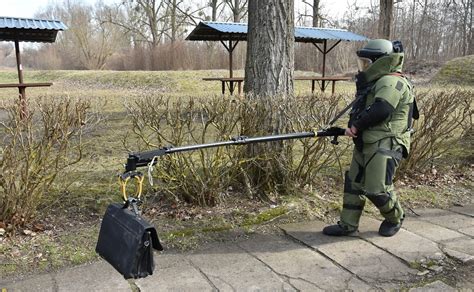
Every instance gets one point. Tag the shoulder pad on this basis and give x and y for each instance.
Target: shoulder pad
(397, 82)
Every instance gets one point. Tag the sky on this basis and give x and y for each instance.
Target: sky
(27, 8)
(20, 8)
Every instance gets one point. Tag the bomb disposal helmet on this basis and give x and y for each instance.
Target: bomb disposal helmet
(372, 51)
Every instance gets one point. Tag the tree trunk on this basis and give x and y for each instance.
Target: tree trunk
(421, 25)
(213, 5)
(385, 19)
(268, 84)
(173, 21)
(412, 31)
(470, 50)
(270, 48)
(315, 13)
(237, 10)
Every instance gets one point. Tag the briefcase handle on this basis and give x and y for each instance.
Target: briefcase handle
(123, 180)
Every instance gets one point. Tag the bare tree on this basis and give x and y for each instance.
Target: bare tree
(179, 14)
(216, 10)
(238, 9)
(385, 19)
(5, 50)
(315, 6)
(143, 20)
(89, 42)
(466, 10)
(470, 49)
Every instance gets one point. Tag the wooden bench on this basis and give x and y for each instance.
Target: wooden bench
(22, 89)
(323, 82)
(229, 81)
(323, 85)
(24, 85)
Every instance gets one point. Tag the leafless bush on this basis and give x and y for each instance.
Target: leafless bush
(35, 149)
(446, 116)
(313, 155)
(200, 176)
(285, 167)
(204, 176)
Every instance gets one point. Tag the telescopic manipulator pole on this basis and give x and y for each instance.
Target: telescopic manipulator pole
(148, 158)
(141, 159)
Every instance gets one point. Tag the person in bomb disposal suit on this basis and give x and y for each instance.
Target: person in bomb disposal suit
(380, 125)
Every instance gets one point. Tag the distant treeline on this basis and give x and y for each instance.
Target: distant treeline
(149, 34)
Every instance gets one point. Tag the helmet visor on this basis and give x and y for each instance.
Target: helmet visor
(363, 63)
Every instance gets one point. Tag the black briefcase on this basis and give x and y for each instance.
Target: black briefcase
(126, 241)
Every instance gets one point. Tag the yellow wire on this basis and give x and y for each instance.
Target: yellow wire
(123, 187)
(124, 182)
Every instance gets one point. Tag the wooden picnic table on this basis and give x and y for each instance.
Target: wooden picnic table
(323, 85)
(230, 82)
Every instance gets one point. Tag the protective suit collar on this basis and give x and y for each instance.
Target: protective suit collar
(382, 66)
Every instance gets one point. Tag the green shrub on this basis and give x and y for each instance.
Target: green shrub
(35, 149)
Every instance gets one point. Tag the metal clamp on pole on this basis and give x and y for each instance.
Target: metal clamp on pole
(333, 132)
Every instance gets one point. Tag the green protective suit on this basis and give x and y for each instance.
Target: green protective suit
(382, 145)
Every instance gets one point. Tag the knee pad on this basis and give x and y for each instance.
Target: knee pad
(379, 200)
(348, 186)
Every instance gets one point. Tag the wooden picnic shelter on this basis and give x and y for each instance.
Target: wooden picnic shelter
(13, 29)
(231, 33)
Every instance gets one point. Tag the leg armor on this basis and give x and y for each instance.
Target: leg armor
(380, 169)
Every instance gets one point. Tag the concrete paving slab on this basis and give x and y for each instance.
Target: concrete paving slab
(98, 276)
(434, 287)
(465, 285)
(39, 283)
(468, 231)
(405, 245)
(229, 268)
(304, 268)
(464, 245)
(360, 257)
(430, 231)
(453, 243)
(460, 256)
(466, 210)
(446, 218)
(173, 273)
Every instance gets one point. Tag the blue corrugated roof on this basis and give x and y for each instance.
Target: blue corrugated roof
(30, 23)
(207, 30)
(228, 27)
(327, 34)
(29, 29)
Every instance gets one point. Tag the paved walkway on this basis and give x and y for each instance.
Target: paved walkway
(420, 258)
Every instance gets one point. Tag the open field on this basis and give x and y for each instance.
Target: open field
(71, 215)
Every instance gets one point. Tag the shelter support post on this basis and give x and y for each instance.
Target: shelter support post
(324, 64)
(324, 59)
(21, 90)
(231, 74)
(325, 51)
(230, 48)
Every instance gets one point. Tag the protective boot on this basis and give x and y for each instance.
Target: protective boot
(339, 230)
(388, 228)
